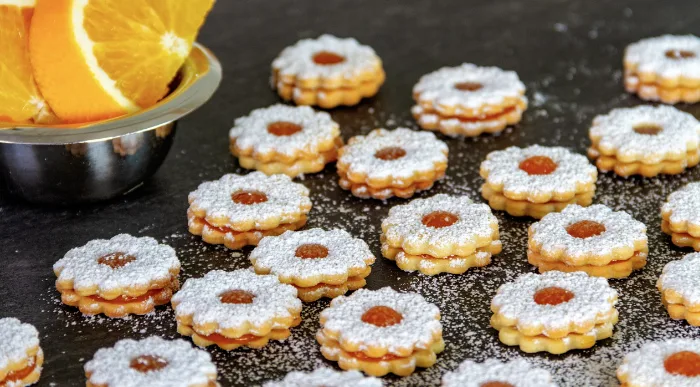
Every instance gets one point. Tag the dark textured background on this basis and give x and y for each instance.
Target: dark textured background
(568, 53)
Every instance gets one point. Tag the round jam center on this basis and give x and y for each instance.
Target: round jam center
(148, 363)
(684, 363)
(249, 197)
(468, 86)
(585, 229)
(283, 128)
(679, 54)
(382, 316)
(390, 153)
(115, 260)
(553, 296)
(538, 165)
(237, 296)
(311, 250)
(648, 129)
(496, 384)
(439, 219)
(327, 58)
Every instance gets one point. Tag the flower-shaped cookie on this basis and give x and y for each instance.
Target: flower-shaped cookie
(681, 216)
(119, 276)
(493, 373)
(645, 140)
(679, 285)
(237, 308)
(285, 139)
(326, 377)
(318, 263)
(327, 71)
(469, 100)
(151, 362)
(239, 210)
(21, 357)
(665, 68)
(381, 331)
(674, 362)
(554, 311)
(388, 163)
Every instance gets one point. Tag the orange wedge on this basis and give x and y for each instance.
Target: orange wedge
(20, 100)
(98, 59)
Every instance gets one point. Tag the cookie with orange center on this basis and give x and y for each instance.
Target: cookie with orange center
(493, 373)
(381, 331)
(469, 100)
(674, 362)
(120, 276)
(318, 263)
(21, 357)
(664, 68)
(285, 139)
(554, 312)
(327, 72)
(537, 180)
(595, 239)
(679, 285)
(645, 140)
(681, 216)
(386, 163)
(151, 362)
(239, 210)
(235, 309)
(440, 234)
(326, 377)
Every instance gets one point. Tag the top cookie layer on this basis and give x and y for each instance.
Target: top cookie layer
(656, 55)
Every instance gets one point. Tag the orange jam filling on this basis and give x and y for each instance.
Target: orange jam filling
(115, 260)
(679, 54)
(361, 356)
(127, 299)
(248, 197)
(684, 363)
(311, 251)
(18, 375)
(487, 117)
(538, 165)
(439, 219)
(283, 128)
(219, 339)
(326, 58)
(325, 285)
(468, 86)
(553, 296)
(390, 153)
(148, 363)
(648, 129)
(585, 229)
(382, 316)
(237, 296)
(496, 384)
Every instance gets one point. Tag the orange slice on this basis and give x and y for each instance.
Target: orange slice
(98, 59)
(20, 100)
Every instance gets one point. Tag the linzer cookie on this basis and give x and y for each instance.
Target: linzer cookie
(645, 140)
(681, 216)
(380, 332)
(672, 363)
(469, 100)
(285, 139)
(537, 180)
(235, 309)
(554, 312)
(151, 362)
(387, 163)
(326, 377)
(327, 72)
(596, 240)
(21, 357)
(441, 234)
(665, 68)
(679, 285)
(239, 210)
(318, 263)
(120, 276)
(493, 373)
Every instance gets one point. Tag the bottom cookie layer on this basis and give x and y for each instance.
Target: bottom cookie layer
(365, 191)
(314, 293)
(615, 269)
(228, 343)
(667, 167)
(682, 312)
(454, 265)
(499, 202)
(235, 240)
(468, 127)
(531, 344)
(25, 376)
(680, 239)
(655, 92)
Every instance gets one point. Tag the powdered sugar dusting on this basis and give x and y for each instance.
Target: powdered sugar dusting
(517, 373)
(684, 205)
(645, 367)
(16, 339)
(683, 277)
(649, 55)
(326, 377)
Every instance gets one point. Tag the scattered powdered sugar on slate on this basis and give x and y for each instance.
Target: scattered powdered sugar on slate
(683, 277)
(684, 205)
(649, 55)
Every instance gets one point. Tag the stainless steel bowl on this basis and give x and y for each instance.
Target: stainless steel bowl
(79, 163)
